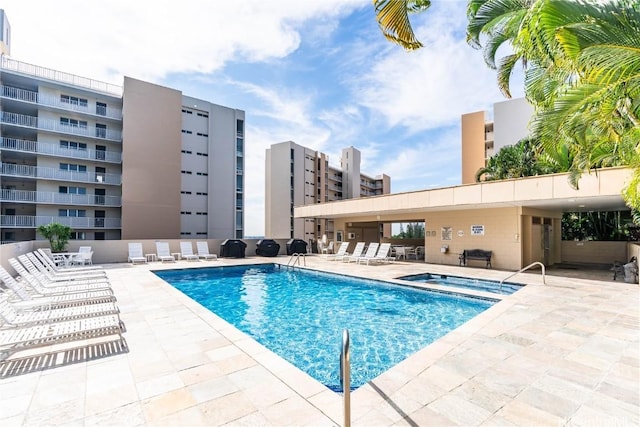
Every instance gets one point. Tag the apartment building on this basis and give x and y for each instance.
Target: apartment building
(138, 161)
(485, 133)
(298, 176)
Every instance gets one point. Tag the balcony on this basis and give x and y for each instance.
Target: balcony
(22, 120)
(44, 100)
(53, 198)
(27, 221)
(44, 148)
(58, 76)
(39, 172)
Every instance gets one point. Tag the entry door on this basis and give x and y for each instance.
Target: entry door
(100, 194)
(546, 241)
(99, 218)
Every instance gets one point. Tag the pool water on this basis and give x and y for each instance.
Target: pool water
(300, 315)
(492, 286)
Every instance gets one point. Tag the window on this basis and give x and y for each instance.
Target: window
(240, 127)
(203, 154)
(64, 121)
(202, 174)
(99, 235)
(188, 132)
(202, 194)
(187, 111)
(185, 233)
(186, 192)
(72, 145)
(101, 130)
(185, 212)
(78, 235)
(73, 168)
(101, 110)
(76, 213)
(186, 152)
(72, 190)
(203, 134)
(72, 100)
(201, 233)
(186, 172)
(205, 115)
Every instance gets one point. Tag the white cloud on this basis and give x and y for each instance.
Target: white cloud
(432, 86)
(105, 40)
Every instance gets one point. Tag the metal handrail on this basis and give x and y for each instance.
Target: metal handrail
(544, 280)
(295, 259)
(345, 377)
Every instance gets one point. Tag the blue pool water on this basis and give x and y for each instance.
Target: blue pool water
(492, 286)
(300, 315)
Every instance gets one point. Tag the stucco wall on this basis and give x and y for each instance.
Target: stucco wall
(594, 252)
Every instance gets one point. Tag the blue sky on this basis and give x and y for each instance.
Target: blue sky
(319, 73)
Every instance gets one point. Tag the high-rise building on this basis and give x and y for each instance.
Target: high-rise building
(297, 176)
(138, 161)
(483, 136)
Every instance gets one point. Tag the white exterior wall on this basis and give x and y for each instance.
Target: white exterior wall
(510, 122)
(350, 162)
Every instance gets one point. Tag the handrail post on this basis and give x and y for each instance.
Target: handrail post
(345, 377)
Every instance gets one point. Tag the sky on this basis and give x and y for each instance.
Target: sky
(319, 73)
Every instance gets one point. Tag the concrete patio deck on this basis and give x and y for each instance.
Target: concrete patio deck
(564, 353)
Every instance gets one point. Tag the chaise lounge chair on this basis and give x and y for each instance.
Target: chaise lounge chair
(28, 297)
(57, 288)
(357, 253)
(164, 253)
(16, 314)
(370, 253)
(203, 251)
(13, 339)
(135, 253)
(186, 252)
(381, 256)
(342, 251)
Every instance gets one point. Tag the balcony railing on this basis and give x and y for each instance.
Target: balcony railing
(54, 101)
(46, 197)
(55, 126)
(40, 172)
(55, 150)
(59, 76)
(27, 221)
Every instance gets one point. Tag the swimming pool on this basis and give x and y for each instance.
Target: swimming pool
(492, 286)
(300, 315)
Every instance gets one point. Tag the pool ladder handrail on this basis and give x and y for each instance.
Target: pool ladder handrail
(544, 280)
(295, 259)
(345, 376)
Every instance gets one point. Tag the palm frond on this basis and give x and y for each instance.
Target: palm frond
(393, 19)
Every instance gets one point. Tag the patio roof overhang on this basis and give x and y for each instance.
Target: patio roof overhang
(599, 190)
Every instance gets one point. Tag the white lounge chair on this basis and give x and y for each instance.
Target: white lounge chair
(135, 253)
(381, 256)
(24, 315)
(33, 266)
(342, 251)
(186, 252)
(370, 253)
(28, 295)
(203, 251)
(13, 339)
(164, 253)
(57, 288)
(46, 260)
(357, 253)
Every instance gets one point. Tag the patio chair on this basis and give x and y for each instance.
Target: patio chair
(21, 315)
(342, 251)
(186, 252)
(381, 256)
(48, 261)
(164, 253)
(203, 251)
(135, 253)
(14, 339)
(357, 253)
(33, 266)
(370, 253)
(57, 288)
(27, 295)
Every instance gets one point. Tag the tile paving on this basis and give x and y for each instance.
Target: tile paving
(565, 353)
